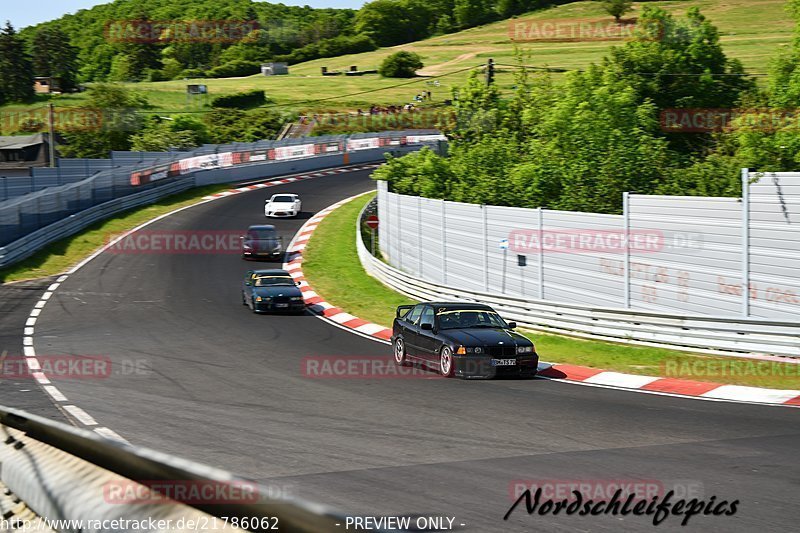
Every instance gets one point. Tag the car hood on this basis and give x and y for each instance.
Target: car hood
(486, 336)
(278, 290)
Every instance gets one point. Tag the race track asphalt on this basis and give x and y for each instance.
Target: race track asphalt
(198, 375)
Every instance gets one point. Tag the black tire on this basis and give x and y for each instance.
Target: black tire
(399, 348)
(447, 370)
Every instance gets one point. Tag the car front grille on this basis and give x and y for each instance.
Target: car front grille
(501, 351)
(281, 300)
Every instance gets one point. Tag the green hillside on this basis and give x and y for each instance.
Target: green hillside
(752, 31)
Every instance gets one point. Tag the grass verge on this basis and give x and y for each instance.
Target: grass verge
(332, 268)
(61, 255)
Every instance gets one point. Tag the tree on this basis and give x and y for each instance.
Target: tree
(161, 138)
(120, 121)
(16, 70)
(53, 55)
(391, 22)
(401, 64)
(470, 13)
(617, 8)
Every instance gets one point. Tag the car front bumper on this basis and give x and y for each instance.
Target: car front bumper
(472, 366)
(281, 214)
(262, 255)
(278, 307)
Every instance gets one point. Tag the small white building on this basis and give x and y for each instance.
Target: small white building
(274, 69)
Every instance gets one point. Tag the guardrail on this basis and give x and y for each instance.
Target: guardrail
(214, 168)
(65, 473)
(719, 335)
(33, 242)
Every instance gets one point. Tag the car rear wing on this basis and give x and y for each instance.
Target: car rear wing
(402, 310)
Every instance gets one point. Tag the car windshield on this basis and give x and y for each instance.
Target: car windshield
(469, 318)
(283, 199)
(261, 234)
(266, 281)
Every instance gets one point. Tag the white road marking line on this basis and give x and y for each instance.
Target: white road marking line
(110, 434)
(27, 331)
(47, 295)
(27, 351)
(39, 304)
(41, 378)
(31, 321)
(55, 393)
(63, 278)
(27, 341)
(36, 311)
(82, 416)
(53, 287)
(33, 363)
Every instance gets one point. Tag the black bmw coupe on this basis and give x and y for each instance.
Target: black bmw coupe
(272, 290)
(463, 340)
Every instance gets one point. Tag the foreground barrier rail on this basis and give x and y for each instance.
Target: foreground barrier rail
(62, 473)
(720, 335)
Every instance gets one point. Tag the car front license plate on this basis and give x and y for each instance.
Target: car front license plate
(281, 305)
(504, 362)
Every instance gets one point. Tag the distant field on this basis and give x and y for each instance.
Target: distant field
(752, 31)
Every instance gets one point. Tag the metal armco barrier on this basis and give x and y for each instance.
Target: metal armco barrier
(64, 473)
(292, 156)
(33, 242)
(728, 336)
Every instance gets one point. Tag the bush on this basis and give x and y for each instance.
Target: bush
(243, 100)
(193, 73)
(400, 65)
(235, 68)
(337, 46)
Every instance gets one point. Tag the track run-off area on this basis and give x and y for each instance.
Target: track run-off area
(196, 374)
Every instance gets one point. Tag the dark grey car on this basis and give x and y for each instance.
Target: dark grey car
(262, 242)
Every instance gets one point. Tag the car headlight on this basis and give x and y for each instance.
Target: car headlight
(296, 298)
(476, 349)
(258, 298)
(524, 349)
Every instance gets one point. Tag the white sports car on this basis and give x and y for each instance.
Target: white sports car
(283, 205)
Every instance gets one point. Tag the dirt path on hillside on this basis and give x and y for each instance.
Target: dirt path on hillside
(436, 70)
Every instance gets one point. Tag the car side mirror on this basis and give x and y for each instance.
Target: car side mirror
(426, 326)
(297, 283)
(512, 325)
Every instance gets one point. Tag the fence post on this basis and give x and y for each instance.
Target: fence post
(419, 237)
(399, 212)
(444, 245)
(745, 242)
(485, 249)
(626, 230)
(540, 232)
